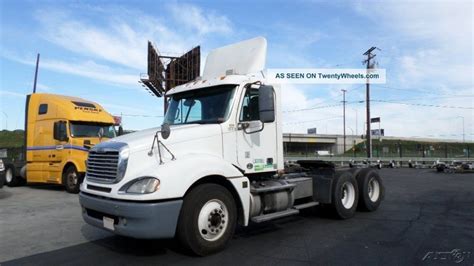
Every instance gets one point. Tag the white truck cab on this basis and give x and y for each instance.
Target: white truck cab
(217, 160)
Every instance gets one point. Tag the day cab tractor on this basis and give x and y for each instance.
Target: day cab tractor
(215, 162)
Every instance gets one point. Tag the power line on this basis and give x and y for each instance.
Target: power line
(392, 101)
(332, 99)
(313, 108)
(139, 115)
(425, 105)
(312, 121)
(320, 107)
(435, 97)
(404, 89)
(414, 90)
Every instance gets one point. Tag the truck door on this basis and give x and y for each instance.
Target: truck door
(38, 146)
(60, 140)
(256, 142)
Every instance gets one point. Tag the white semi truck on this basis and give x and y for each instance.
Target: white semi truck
(217, 161)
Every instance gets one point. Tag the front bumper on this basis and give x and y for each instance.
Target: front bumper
(143, 220)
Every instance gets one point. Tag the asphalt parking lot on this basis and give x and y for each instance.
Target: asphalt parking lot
(426, 218)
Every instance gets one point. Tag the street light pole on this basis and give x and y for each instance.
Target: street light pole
(353, 142)
(352, 131)
(344, 116)
(357, 131)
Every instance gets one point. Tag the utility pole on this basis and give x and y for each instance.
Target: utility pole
(344, 117)
(36, 72)
(370, 56)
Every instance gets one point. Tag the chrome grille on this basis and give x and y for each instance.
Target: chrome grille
(102, 165)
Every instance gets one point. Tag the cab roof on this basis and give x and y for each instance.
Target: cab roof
(70, 108)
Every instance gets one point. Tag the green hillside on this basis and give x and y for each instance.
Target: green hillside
(12, 139)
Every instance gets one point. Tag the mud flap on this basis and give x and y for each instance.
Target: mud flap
(322, 189)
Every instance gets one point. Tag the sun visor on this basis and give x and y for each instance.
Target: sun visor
(241, 58)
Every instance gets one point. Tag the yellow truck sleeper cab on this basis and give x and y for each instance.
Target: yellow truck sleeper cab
(60, 130)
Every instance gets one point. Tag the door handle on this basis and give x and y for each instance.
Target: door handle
(59, 147)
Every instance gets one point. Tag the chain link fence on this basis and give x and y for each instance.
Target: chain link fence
(382, 149)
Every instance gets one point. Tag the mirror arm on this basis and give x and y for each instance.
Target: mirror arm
(158, 143)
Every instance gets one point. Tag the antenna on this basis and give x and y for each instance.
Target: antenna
(36, 72)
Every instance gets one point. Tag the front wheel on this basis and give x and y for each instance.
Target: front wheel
(11, 178)
(72, 180)
(207, 219)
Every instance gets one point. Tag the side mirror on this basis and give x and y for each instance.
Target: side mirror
(100, 134)
(60, 132)
(266, 104)
(165, 131)
(120, 131)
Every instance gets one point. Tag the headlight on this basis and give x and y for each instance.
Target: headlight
(144, 185)
(122, 162)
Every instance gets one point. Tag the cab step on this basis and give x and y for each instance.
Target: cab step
(275, 215)
(306, 205)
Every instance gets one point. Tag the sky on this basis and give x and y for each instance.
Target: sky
(96, 50)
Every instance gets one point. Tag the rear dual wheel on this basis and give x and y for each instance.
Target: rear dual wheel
(345, 195)
(371, 188)
(353, 190)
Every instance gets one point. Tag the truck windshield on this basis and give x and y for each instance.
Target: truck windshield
(202, 106)
(87, 129)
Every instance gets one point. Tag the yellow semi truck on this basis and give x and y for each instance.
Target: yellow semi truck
(59, 131)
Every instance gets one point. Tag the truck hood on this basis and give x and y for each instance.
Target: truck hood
(191, 138)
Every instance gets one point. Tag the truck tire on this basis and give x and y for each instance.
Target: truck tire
(2, 179)
(207, 219)
(440, 168)
(72, 180)
(345, 195)
(371, 189)
(11, 178)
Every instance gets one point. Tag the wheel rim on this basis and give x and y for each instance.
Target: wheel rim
(213, 220)
(72, 179)
(9, 176)
(348, 195)
(374, 190)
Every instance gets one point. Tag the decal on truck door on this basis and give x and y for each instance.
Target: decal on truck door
(258, 165)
